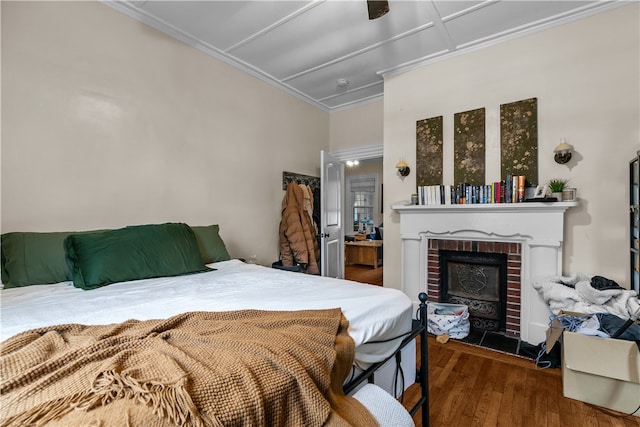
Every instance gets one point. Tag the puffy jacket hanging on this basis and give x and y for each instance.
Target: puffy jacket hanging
(298, 242)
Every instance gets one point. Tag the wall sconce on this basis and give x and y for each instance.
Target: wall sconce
(562, 153)
(403, 168)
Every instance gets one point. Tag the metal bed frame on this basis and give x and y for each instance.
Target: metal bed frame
(419, 327)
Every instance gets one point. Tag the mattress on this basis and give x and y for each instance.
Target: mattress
(378, 317)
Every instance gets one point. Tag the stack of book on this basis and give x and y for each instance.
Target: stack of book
(509, 190)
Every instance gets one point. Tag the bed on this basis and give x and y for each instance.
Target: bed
(179, 283)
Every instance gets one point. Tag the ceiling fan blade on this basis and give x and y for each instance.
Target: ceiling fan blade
(377, 8)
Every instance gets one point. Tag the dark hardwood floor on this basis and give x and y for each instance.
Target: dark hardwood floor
(473, 386)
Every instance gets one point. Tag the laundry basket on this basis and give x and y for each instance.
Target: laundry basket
(448, 319)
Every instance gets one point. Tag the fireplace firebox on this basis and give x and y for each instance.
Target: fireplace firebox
(488, 254)
(479, 281)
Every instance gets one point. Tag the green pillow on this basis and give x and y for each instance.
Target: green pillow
(211, 244)
(30, 258)
(132, 253)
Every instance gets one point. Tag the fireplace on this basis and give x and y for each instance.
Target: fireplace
(479, 281)
(529, 234)
(505, 256)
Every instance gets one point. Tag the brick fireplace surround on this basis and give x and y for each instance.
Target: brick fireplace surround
(530, 233)
(512, 250)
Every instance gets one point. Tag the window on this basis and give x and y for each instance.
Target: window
(362, 207)
(362, 193)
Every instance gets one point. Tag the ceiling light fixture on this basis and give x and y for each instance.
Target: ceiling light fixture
(377, 9)
(342, 83)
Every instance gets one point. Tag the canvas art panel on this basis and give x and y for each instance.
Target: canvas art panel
(429, 142)
(469, 147)
(519, 139)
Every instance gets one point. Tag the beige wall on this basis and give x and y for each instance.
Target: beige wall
(358, 126)
(585, 76)
(107, 123)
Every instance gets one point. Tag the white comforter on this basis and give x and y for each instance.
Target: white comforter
(374, 313)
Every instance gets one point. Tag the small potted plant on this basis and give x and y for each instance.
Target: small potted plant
(556, 186)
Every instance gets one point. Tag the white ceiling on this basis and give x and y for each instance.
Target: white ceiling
(307, 47)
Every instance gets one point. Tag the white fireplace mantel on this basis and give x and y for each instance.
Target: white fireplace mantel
(537, 226)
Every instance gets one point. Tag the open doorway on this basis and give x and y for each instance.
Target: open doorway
(363, 221)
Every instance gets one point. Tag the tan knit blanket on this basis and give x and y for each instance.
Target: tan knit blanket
(238, 368)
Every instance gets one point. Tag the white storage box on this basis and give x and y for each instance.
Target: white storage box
(601, 371)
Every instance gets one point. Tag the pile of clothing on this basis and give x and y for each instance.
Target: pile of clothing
(603, 325)
(588, 295)
(606, 310)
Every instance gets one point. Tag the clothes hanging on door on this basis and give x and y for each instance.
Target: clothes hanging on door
(316, 206)
(316, 216)
(298, 242)
(308, 205)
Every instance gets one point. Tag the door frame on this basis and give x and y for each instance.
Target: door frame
(363, 152)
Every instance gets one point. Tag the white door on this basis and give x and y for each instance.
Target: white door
(331, 216)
